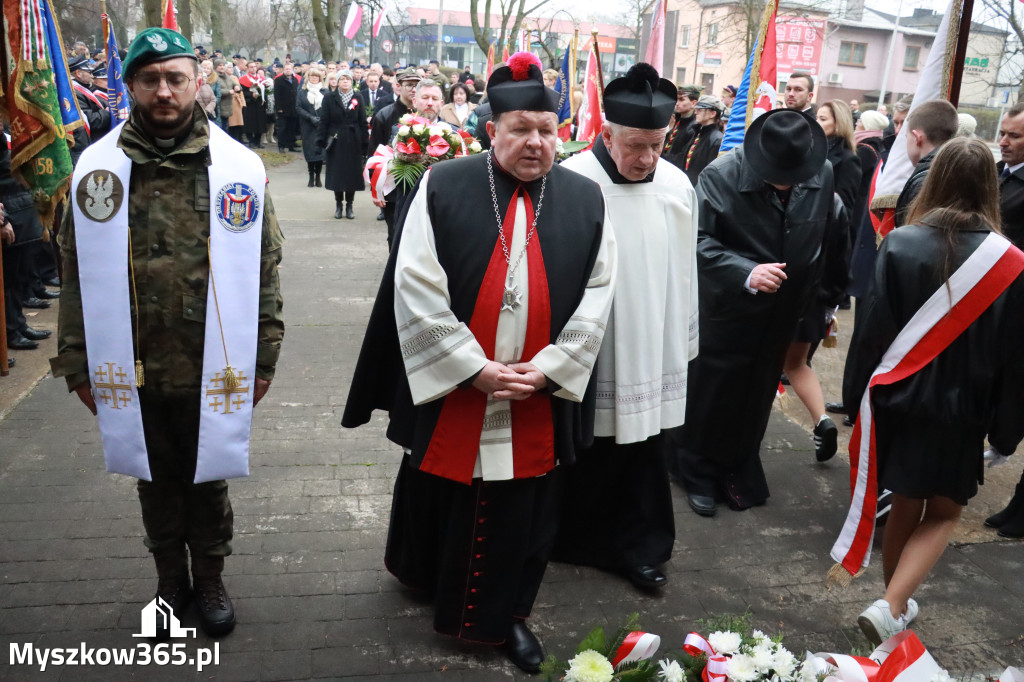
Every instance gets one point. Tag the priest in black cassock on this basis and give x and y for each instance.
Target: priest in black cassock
(480, 345)
(768, 229)
(617, 509)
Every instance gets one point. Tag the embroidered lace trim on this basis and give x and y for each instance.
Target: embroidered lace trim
(427, 338)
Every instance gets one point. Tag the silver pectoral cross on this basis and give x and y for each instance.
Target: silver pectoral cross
(512, 298)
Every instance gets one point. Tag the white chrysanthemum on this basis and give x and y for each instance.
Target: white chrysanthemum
(761, 638)
(670, 671)
(783, 661)
(475, 147)
(725, 642)
(763, 658)
(418, 129)
(589, 666)
(741, 668)
(806, 673)
(403, 130)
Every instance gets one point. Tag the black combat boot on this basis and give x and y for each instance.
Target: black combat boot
(310, 180)
(337, 210)
(1014, 509)
(172, 587)
(348, 211)
(316, 173)
(216, 614)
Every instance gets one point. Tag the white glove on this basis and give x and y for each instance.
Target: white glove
(994, 458)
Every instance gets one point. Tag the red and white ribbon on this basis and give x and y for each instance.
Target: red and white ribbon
(717, 669)
(638, 646)
(901, 658)
(377, 172)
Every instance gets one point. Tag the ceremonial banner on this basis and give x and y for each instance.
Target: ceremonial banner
(736, 128)
(70, 114)
(36, 109)
(563, 86)
(504, 54)
(490, 62)
(655, 54)
(757, 92)
(353, 21)
(589, 122)
(117, 93)
(170, 16)
(934, 84)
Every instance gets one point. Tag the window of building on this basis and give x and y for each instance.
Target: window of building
(852, 54)
(680, 75)
(684, 36)
(712, 34)
(910, 58)
(707, 80)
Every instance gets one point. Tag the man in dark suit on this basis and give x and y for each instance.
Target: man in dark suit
(374, 94)
(1011, 173)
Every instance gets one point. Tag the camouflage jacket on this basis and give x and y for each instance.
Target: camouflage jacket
(169, 224)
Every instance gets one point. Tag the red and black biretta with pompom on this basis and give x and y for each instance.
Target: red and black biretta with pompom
(519, 86)
(640, 99)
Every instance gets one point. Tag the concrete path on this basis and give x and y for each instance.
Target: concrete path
(312, 597)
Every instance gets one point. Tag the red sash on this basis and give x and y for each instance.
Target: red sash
(975, 286)
(455, 441)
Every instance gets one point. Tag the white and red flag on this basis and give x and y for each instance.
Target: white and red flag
(590, 120)
(170, 18)
(353, 21)
(655, 54)
(379, 21)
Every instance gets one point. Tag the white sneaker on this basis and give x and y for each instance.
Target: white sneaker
(912, 610)
(877, 622)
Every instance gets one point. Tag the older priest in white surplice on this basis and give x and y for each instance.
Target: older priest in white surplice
(481, 345)
(617, 510)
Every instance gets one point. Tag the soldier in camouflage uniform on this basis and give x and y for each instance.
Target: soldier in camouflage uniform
(167, 139)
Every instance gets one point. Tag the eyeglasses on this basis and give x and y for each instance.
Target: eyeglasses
(177, 82)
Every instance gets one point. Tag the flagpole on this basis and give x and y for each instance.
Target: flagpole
(600, 75)
(4, 370)
(961, 52)
(572, 72)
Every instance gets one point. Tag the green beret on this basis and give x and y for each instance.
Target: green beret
(155, 45)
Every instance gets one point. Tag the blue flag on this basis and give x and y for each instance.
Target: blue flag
(562, 88)
(737, 126)
(117, 93)
(70, 114)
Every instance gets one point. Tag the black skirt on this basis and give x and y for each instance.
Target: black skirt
(812, 328)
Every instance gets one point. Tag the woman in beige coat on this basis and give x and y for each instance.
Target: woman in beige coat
(457, 111)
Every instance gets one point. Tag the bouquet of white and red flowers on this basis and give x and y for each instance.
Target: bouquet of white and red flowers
(420, 143)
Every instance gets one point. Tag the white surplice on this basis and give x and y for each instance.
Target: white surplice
(653, 327)
(440, 352)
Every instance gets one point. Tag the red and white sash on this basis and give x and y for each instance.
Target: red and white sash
(944, 316)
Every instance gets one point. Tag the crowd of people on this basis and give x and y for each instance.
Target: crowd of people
(623, 321)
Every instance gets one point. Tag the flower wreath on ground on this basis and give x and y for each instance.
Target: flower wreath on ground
(735, 652)
(417, 145)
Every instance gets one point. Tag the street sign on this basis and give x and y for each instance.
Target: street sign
(447, 39)
(387, 46)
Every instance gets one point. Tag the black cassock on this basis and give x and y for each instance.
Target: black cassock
(744, 336)
(479, 550)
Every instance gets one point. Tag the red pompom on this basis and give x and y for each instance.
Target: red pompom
(520, 65)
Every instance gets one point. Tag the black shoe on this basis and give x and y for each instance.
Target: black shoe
(646, 577)
(523, 649)
(703, 505)
(847, 421)
(310, 181)
(316, 180)
(825, 437)
(47, 294)
(380, 216)
(36, 334)
(10, 362)
(53, 282)
(784, 380)
(19, 342)
(348, 211)
(177, 593)
(34, 302)
(835, 408)
(338, 210)
(1013, 509)
(1014, 528)
(216, 613)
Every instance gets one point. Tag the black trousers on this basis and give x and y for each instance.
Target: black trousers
(14, 317)
(617, 506)
(347, 197)
(481, 550)
(287, 130)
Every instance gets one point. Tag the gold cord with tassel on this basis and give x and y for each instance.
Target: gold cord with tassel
(230, 379)
(140, 372)
(838, 576)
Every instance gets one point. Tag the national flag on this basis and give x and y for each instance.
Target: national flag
(936, 78)
(523, 42)
(504, 54)
(589, 122)
(379, 21)
(563, 86)
(170, 16)
(39, 149)
(757, 92)
(354, 20)
(117, 93)
(655, 54)
(490, 62)
(70, 113)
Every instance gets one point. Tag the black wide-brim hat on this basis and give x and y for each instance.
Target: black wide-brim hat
(785, 147)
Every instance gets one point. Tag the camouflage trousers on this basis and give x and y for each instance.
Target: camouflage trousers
(175, 511)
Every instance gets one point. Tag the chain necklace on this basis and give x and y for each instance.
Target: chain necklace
(512, 297)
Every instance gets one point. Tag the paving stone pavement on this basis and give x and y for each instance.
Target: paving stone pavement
(312, 596)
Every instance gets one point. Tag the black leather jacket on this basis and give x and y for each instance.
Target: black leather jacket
(978, 381)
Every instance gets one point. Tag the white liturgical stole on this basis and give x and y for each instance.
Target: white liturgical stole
(99, 191)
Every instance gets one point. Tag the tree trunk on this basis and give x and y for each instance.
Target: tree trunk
(151, 12)
(322, 25)
(185, 18)
(216, 27)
